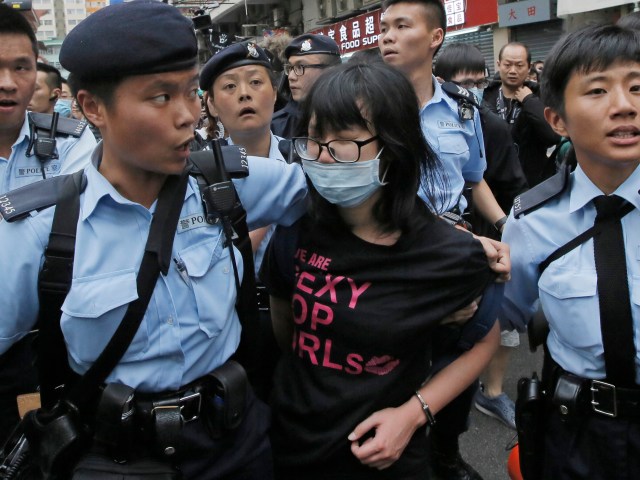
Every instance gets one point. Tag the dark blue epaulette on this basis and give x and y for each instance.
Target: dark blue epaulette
(459, 94)
(542, 193)
(19, 203)
(234, 156)
(65, 127)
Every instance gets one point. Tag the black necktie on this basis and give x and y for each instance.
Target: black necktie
(616, 323)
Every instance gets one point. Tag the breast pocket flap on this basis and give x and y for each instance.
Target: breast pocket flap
(91, 297)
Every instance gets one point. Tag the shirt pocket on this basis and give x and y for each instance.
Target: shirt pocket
(453, 144)
(93, 310)
(212, 279)
(569, 300)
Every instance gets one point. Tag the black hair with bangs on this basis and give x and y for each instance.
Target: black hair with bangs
(378, 98)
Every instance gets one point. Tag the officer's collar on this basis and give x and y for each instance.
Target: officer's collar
(23, 135)
(583, 190)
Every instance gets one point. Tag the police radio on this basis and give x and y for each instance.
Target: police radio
(219, 197)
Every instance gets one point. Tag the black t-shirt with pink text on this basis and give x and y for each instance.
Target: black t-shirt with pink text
(362, 316)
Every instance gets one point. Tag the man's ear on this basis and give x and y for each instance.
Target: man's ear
(92, 107)
(556, 121)
(55, 95)
(437, 37)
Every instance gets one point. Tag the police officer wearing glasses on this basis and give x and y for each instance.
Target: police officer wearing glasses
(307, 57)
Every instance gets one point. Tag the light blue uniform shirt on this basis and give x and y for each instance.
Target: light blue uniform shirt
(459, 146)
(19, 170)
(568, 287)
(191, 326)
(274, 152)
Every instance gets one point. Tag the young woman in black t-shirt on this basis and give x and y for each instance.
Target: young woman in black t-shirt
(358, 285)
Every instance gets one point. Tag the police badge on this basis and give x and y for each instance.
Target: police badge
(251, 49)
(306, 46)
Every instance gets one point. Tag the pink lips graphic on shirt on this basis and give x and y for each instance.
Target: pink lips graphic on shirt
(381, 365)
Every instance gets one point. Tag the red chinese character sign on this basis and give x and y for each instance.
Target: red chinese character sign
(356, 33)
(362, 32)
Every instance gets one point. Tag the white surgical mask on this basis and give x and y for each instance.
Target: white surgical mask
(478, 92)
(63, 107)
(345, 184)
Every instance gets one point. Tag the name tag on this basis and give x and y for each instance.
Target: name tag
(191, 222)
(449, 125)
(53, 168)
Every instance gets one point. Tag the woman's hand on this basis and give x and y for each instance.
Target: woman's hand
(463, 315)
(392, 429)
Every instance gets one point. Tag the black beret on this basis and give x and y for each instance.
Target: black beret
(310, 44)
(233, 56)
(133, 38)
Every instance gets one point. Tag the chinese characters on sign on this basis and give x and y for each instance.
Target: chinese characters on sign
(529, 11)
(357, 33)
(455, 12)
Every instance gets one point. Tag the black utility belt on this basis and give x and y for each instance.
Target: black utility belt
(571, 394)
(123, 415)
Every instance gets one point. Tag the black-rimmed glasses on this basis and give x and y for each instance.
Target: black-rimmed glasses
(484, 83)
(299, 69)
(342, 151)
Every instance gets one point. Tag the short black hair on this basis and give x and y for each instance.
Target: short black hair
(459, 58)
(101, 88)
(631, 20)
(54, 79)
(435, 14)
(515, 44)
(13, 22)
(591, 49)
(381, 99)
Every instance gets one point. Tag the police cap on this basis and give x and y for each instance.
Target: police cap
(310, 44)
(134, 38)
(236, 55)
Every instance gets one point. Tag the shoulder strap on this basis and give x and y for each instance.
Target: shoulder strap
(66, 126)
(541, 193)
(54, 282)
(156, 258)
(234, 220)
(18, 203)
(459, 94)
(580, 239)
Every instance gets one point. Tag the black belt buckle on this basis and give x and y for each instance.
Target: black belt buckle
(604, 398)
(189, 406)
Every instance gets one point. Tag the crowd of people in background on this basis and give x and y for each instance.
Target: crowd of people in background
(391, 200)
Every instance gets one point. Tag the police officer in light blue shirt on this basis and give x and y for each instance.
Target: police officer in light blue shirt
(458, 143)
(588, 285)
(145, 104)
(20, 161)
(20, 165)
(23, 166)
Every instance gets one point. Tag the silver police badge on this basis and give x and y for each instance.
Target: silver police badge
(251, 48)
(306, 46)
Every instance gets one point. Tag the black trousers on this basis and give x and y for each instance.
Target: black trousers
(244, 454)
(591, 447)
(17, 376)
